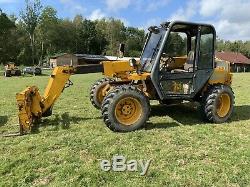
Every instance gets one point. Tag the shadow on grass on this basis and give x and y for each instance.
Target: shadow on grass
(3, 120)
(190, 114)
(151, 126)
(183, 114)
(241, 113)
(60, 121)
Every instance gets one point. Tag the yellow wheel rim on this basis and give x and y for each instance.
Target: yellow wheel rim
(128, 111)
(99, 94)
(223, 105)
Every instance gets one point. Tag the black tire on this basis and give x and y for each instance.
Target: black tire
(37, 71)
(18, 73)
(211, 103)
(116, 96)
(94, 90)
(7, 73)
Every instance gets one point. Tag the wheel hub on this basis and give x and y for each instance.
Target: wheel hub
(128, 111)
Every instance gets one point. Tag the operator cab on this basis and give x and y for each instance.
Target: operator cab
(179, 51)
(180, 57)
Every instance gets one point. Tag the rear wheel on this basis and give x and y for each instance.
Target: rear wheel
(125, 109)
(96, 94)
(18, 73)
(37, 71)
(218, 104)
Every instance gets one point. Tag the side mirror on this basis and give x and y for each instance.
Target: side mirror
(154, 29)
(121, 50)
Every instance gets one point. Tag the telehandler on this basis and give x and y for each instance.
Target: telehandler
(12, 70)
(177, 64)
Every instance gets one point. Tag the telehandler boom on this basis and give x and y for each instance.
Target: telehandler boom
(32, 106)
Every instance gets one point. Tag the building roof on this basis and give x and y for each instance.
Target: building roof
(232, 57)
(60, 54)
(97, 58)
(91, 57)
(101, 57)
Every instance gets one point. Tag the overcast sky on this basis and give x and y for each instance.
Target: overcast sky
(230, 17)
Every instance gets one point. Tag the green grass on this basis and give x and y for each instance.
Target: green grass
(69, 145)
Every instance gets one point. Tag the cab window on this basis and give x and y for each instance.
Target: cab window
(176, 45)
(206, 48)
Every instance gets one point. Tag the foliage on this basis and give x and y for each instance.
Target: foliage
(135, 39)
(47, 32)
(86, 36)
(236, 46)
(7, 36)
(66, 150)
(176, 45)
(114, 32)
(41, 34)
(30, 19)
(38, 34)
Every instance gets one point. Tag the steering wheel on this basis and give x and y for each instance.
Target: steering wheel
(166, 62)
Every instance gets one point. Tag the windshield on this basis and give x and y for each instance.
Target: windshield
(151, 49)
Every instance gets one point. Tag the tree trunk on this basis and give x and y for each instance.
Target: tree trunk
(41, 57)
(32, 38)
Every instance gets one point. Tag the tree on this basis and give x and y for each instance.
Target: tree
(78, 26)
(234, 46)
(86, 40)
(66, 41)
(7, 42)
(30, 17)
(176, 45)
(114, 32)
(47, 32)
(134, 41)
(102, 40)
(88, 37)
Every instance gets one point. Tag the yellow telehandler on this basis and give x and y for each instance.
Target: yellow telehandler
(12, 70)
(177, 64)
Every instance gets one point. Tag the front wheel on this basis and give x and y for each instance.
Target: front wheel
(7, 73)
(125, 109)
(218, 104)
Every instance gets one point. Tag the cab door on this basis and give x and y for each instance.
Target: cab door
(176, 80)
(205, 63)
(180, 82)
